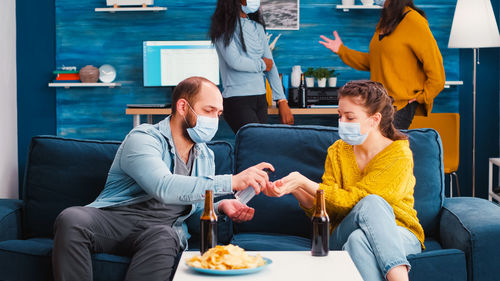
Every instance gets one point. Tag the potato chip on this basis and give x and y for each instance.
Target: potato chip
(226, 258)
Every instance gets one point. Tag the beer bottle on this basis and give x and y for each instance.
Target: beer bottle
(302, 92)
(321, 227)
(208, 223)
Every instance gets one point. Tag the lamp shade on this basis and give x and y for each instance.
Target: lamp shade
(474, 25)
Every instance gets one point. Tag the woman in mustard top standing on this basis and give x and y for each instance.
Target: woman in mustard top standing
(368, 184)
(403, 56)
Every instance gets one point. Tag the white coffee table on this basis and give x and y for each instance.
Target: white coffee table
(289, 266)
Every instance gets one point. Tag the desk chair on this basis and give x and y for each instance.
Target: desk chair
(448, 127)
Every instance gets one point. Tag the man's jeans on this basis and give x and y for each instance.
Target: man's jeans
(370, 235)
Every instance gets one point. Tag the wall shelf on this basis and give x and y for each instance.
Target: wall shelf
(448, 84)
(346, 8)
(69, 85)
(131, 9)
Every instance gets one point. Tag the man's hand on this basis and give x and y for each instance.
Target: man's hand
(269, 64)
(285, 112)
(236, 211)
(254, 176)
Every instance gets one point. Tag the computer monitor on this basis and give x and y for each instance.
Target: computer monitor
(166, 63)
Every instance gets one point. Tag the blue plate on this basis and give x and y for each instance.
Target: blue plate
(231, 271)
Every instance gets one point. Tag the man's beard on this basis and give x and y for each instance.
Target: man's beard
(189, 122)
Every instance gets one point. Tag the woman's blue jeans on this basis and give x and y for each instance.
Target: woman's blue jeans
(370, 235)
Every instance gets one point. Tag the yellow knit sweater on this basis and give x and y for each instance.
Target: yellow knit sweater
(407, 62)
(389, 174)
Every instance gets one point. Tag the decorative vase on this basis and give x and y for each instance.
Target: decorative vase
(332, 82)
(310, 82)
(347, 2)
(89, 74)
(322, 82)
(295, 77)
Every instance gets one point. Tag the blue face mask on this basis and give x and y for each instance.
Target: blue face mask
(205, 128)
(351, 133)
(380, 2)
(251, 7)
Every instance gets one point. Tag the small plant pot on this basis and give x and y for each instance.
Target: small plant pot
(322, 82)
(310, 82)
(332, 82)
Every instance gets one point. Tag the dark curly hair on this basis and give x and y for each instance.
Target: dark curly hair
(225, 19)
(374, 98)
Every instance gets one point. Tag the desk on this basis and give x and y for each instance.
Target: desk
(286, 265)
(149, 112)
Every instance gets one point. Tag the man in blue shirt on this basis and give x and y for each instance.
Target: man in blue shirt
(157, 180)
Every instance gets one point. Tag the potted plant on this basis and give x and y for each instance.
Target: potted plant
(321, 74)
(309, 75)
(332, 80)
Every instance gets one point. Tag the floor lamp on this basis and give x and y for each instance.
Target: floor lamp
(474, 26)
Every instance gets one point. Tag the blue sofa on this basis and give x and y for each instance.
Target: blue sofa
(462, 234)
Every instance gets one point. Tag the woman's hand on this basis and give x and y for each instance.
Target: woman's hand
(285, 185)
(334, 44)
(285, 112)
(269, 64)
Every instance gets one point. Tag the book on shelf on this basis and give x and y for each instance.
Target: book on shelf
(68, 76)
(65, 71)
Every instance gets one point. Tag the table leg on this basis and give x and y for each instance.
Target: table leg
(137, 120)
(150, 119)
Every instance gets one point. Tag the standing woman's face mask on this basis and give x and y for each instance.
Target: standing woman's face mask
(251, 7)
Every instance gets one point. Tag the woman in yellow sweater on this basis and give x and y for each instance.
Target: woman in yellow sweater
(368, 184)
(403, 56)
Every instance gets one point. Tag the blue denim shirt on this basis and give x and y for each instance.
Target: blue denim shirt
(243, 73)
(143, 169)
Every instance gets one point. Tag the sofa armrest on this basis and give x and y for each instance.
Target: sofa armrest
(10, 219)
(473, 226)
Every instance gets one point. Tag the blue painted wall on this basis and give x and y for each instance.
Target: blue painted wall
(36, 103)
(85, 37)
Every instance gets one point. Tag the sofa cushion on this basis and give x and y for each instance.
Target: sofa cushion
(26, 260)
(304, 149)
(61, 173)
(429, 174)
(64, 172)
(288, 149)
(35, 255)
(271, 242)
(224, 160)
(442, 265)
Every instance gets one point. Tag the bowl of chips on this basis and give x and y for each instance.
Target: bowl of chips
(227, 260)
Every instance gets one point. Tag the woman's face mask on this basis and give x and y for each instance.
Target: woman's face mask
(251, 7)
(350, 132)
